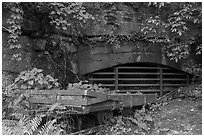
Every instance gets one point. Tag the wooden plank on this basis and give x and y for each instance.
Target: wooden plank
(79, 92)
(41, 100)
(96, 94)
(64, 101)
(107, 105)
(74, 102)
(139, 100)
(68, 92)
(71, 100)
(42, 92)
(151, 98)
(71, 92)
(97, 100)
(129, 100)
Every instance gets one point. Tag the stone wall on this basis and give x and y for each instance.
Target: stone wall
(102, 56)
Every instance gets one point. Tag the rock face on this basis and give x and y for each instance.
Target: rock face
(122, 20)
(103, 56)
(36, 52)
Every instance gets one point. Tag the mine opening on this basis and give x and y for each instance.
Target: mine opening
(140, 77)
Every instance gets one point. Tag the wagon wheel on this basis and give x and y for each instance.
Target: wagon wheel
(104, 117)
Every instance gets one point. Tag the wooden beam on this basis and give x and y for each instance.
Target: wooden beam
(68, 92)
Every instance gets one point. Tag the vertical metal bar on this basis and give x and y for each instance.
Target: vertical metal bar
(116, 78)
(161, 81)
(90, 77)
(188, 80)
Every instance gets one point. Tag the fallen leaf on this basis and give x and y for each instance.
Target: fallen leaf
(142, 125)
(148, 118)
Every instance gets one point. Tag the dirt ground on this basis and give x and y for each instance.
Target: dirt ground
(176, 117)
(179, 117)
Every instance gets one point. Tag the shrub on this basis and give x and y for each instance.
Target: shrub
(15, 103)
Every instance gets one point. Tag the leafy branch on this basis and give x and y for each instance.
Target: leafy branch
(175, 27)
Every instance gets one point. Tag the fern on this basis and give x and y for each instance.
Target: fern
(36, 125)
(31, 125)
(41, 124)
(48, 127)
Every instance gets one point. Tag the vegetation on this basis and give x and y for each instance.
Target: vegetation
(15, 103)
(178, 25)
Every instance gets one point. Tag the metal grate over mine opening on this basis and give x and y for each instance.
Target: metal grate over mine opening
(142, 77)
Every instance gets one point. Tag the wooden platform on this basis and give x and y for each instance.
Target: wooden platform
(84, 101)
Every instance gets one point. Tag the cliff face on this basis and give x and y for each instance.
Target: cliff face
(124, 20)
(33, 55)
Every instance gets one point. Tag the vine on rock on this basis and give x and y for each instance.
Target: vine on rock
(14, 29)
